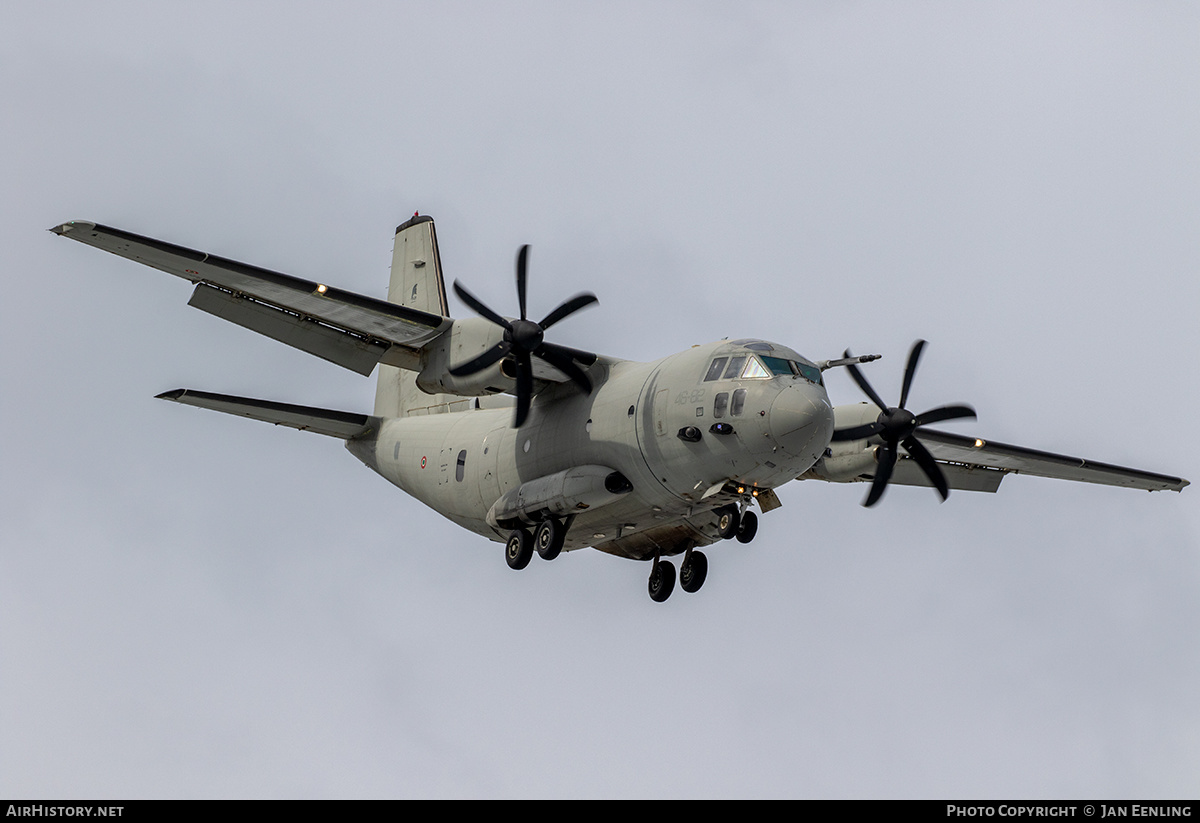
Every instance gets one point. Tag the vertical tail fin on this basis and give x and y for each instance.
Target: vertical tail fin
(416, 282)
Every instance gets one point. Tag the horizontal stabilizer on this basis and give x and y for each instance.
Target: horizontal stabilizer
(343, 425)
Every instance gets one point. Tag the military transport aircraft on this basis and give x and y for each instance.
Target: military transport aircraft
(546, 448)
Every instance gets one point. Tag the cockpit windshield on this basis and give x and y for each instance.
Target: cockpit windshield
(759, 366)
(778, 365)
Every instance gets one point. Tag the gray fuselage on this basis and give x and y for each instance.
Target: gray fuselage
(778, 424)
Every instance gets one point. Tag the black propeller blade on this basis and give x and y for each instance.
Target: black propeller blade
(525, 339)
(897, 426)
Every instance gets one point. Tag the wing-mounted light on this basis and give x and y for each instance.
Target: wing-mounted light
(524, 339)
(896, 426)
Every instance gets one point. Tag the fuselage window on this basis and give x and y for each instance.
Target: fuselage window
(720, 402)
(461, 468)
(715, 369)
(739, 402)
(735, 367)
(755, 370)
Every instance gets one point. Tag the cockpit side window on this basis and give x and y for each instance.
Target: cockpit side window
(735, 367)
(739, 403)
(810, 373)
(715, 369)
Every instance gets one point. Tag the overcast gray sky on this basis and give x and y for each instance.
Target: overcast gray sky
(195, 605)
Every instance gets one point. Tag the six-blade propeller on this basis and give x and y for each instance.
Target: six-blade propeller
(524, 339)
(897, 426)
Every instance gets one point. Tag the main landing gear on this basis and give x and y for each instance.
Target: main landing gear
(662, 580)
(732, 523)
(692, 573)
(550, 535)
(547, 540)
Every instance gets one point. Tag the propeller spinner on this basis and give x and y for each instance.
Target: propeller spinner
(897, 426)
(525, 339)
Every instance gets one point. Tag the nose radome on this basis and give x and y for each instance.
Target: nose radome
(798, 415)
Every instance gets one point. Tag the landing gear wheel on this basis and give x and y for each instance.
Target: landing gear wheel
(518, 551)
(727, 521)
(748, 527)
(693, 571)
(662, 580)
(549, 538)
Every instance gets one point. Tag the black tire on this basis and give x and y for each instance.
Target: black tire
(693, 571)
(549, 538)
(728, 521)
(748, 527)
(518, 551)
(662, 581)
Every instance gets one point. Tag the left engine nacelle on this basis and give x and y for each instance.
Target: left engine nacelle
(848, 461)
(464, 341)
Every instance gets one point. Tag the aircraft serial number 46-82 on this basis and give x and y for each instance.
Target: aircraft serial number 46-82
(546, 448)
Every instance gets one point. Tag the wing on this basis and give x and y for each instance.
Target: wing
(966, 463)
(969, 456)
(349, 329)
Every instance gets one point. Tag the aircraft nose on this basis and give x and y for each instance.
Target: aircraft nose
(801, 420)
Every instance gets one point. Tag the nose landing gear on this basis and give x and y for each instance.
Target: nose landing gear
(728, 520)
(734, 523)
(747, 527)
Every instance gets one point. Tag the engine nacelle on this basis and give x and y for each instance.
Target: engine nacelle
(846, 467)
(464, 341)
(848, 461)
